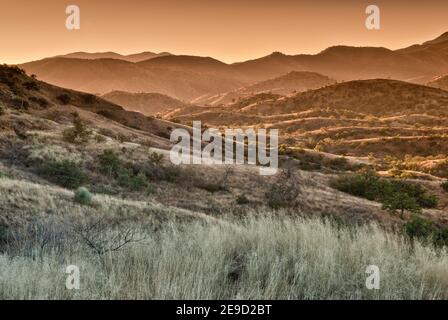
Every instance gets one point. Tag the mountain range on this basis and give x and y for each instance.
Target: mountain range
(190, 77)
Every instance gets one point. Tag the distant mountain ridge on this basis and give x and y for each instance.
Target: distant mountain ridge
(136, 57)
(190, 77)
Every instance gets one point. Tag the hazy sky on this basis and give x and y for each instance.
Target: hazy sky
(228, 30)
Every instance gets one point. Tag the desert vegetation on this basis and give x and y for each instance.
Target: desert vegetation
(362, 181)
(258, 257)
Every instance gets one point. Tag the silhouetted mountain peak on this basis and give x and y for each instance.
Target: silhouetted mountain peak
(439, 39)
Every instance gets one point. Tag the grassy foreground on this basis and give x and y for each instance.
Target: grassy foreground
(256, 258)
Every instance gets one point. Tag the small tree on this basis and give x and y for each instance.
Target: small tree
(399, 202)
(79, 132)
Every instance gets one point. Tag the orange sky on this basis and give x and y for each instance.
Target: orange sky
(228, 30)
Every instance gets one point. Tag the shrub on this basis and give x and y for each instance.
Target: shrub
(440, 237)
(31, 85)
(284, 192)
(64, 98)
(83, 196)
(242, 199)
(39, 100)
(156, 158)
(20, 103)
(100, 139)
(123, 138)
(210, 186)
(444, 186)
(67, 174)
(415, 191)
(126, 175)
(367, 184)
(396, 195)
(78, 133)
(109, 162)
(399, 202)
(418, 227)
(136, 182)
(2, 109)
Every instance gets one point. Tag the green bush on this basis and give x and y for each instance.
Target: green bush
(77, 134)
(418, 227)
(83, 196)
(127, 179)
(126, 175)
(109, 162)
(396, 195)
(440, 237)
(399, 202)
(67, 174)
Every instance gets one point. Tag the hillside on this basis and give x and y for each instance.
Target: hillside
(440, 82)
(182, 78)
(188, 77)
(82, 179)
(363, 118)
(36, 118)
(146, 103)
(292, 82)
(36, 100)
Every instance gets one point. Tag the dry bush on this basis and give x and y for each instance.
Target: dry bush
(285, 191)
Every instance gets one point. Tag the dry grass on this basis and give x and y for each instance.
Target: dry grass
(257, 258)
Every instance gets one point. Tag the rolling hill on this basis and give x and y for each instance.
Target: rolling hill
(188, 77)
(181, 77)
(146, 103)
(292, 82)
(378, 117)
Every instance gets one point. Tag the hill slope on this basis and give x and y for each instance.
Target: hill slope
(294, 81)
(146, 103)
(440, 82)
